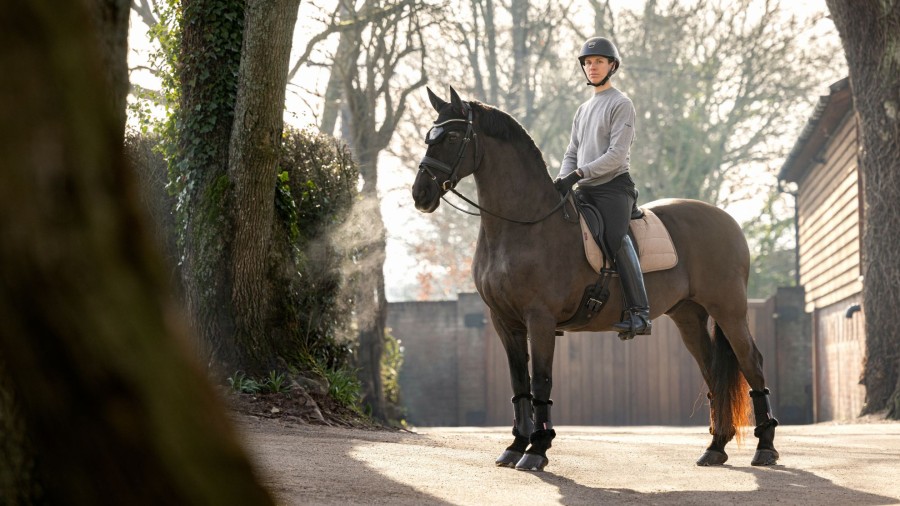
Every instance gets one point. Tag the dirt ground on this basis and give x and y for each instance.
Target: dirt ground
(841, 464)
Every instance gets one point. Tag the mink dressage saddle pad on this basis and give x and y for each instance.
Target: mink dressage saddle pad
(655, 248)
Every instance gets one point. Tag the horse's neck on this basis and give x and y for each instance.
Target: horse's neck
(513, 183)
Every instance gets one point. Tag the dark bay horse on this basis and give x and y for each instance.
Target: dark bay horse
(531, 271)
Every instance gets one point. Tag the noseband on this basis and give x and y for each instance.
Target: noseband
(428, 163)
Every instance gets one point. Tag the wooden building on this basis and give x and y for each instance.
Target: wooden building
(824, 166)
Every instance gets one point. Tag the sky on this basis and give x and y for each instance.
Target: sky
(395, 175)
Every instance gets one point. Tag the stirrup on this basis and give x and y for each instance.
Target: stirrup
(628, 320)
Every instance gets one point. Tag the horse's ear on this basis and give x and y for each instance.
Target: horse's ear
(436, 102)
(456, 101)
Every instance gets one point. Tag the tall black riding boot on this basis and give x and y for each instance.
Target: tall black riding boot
(636, 318)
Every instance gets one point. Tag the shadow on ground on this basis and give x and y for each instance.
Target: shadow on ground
(788, 485)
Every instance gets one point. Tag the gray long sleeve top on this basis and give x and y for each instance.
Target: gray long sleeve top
(602, 132)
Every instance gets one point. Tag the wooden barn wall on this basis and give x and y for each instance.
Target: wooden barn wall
(455, 370)
(829, 223)
(600, 380)
(838, 357)
(829, 249)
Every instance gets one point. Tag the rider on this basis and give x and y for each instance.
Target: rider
(598, 160)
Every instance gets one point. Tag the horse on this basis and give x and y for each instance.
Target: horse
(530, 269)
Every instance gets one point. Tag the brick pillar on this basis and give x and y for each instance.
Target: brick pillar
(792, 391)
(471, 349)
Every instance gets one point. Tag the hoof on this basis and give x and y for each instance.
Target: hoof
(764, 457)
(532, 462)
(712, 458)
(508, 458)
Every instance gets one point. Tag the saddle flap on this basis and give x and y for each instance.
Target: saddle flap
(591, 249)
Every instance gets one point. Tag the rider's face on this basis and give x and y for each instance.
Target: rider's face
(596, 67)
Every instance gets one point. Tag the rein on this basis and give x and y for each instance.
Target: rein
(562, 203)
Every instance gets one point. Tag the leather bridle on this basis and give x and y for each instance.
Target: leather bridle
(428, 163)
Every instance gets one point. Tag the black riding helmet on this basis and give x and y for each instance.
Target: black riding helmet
(599, 46)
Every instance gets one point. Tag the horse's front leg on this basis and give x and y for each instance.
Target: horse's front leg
(515, 341)
(543, 341)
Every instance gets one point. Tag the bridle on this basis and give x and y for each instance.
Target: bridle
(428, 164)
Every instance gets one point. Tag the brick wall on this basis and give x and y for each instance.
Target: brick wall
(442, 381)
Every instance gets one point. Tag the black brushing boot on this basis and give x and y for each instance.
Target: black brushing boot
(535, 458)
(766, 454)
(523, 426)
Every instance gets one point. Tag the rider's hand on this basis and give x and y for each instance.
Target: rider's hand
(564, 184)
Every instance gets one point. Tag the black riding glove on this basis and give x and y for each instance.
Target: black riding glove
(564, 184)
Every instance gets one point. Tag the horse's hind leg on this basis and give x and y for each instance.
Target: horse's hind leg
(737, 333)
(692, 320)
(515, 342)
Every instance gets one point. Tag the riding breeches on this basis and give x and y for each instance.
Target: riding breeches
(614, 200)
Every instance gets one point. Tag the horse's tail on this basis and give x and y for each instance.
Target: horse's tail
(730, 403)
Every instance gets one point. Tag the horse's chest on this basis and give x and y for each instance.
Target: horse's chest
(502, 272)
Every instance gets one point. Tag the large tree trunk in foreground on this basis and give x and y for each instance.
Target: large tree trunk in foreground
(92, 342)
(110, 21)
(870, 33)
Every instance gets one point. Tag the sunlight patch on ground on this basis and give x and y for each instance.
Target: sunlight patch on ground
(413, 466)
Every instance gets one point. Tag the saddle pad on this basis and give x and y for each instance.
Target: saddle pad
(655, 247)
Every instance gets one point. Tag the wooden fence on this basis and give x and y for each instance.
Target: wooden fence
(601, 380)
(455, 371)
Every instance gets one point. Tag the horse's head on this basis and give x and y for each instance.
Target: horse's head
(451, 154)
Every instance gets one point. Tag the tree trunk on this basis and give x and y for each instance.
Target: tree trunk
(870, 33)
(345, 55)
(254, 155)
(371, 302)
(110, 19)
(91, 339)
(517, 98)
(493, 65)
(210, 59)
(18, 481)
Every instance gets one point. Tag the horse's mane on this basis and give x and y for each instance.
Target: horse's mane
(500, 125)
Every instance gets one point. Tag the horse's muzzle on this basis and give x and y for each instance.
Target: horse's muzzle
(425, 193)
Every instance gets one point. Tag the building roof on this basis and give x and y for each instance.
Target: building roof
(825, 120)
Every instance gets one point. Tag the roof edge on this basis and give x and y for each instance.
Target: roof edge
(796, 163)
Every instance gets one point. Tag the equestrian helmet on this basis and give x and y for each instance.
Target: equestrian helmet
(599, 46)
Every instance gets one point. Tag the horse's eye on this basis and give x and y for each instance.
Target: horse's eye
(453, 137)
